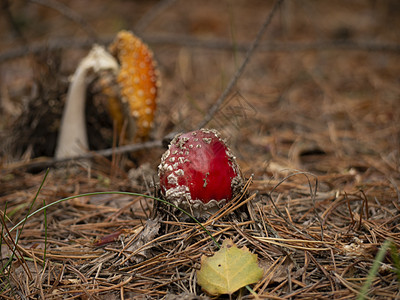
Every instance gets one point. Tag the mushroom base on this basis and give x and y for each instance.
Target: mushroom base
(198, 209)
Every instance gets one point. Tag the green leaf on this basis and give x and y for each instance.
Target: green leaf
(374, 269)
(228, 270)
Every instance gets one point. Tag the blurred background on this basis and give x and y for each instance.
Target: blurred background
(320, 93)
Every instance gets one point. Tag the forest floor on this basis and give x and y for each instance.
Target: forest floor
(314, 121)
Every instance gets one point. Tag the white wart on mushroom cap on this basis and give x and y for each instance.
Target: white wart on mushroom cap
(199, 172)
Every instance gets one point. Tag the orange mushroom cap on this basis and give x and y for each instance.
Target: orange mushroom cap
(137, 79)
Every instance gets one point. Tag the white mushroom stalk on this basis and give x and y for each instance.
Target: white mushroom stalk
(72, 140)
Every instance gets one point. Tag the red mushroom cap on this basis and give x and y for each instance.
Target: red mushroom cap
(199, 171)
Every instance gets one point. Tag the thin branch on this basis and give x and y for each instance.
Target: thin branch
(152, 14)
(5, 7)
(70, 14)
(183, 40)
(45, 163)
(213, 110)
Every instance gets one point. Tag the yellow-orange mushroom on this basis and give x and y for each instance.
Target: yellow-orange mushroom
(138, 82)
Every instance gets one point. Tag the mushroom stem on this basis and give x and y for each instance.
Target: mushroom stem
(72, 139)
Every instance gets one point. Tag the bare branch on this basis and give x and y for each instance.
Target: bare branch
(179, 40)
(152, 14)
(5, 7)
(45, 163)
(213, 110)
(70, 14)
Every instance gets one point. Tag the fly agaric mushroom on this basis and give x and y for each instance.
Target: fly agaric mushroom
(199, 172)
(72, 139)
(138, 82)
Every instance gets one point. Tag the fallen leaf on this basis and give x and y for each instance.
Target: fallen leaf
(109, 238)
(228, 270)
(150, 230)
